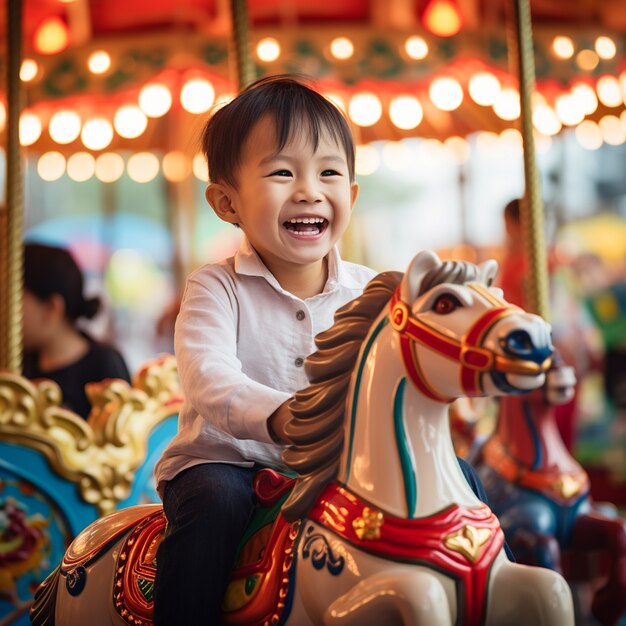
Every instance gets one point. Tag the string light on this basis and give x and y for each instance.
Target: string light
(484, 88)
(130, 121)
(142, 167)
(442, 18)
(99, 62)
(51, 37)
(268, 49)
(51, 166)
(29, 129)
(81, 166)
(97, 133)
(367, 160)
(28, 70)
(446, 93)
(365, 109)
(416, 48)
(64, 126)
(341, 48)
(155, 99)
(109, 167)
(197, 95)
(406, 112)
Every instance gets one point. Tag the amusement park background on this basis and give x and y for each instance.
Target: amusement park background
(115, 94)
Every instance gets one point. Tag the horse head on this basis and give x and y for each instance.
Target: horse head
(393, 361)
(449, 316)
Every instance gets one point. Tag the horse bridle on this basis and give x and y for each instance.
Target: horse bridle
(468, 351)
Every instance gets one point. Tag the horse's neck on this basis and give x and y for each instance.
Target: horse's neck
(527, 429)
(399, 454)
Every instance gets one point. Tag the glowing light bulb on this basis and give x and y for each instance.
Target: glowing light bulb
(142, 167)
(367, 160)
(52, 36)
(446, 94)
(99, 62)
(442, 18)
(341, 48)
(406, 112)
(97, 133)
(563, 47)
(484, 88)
(365, 109)
(29, 129)
(268, 49)
(109, 167)
(197, 95)
(51, 166)
(64, 126)
(130, 121)
(155, 99)
(416, 48)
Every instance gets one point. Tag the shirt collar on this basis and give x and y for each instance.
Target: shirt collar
(248, 263)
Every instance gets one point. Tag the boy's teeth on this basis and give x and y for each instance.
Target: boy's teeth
(306, 220)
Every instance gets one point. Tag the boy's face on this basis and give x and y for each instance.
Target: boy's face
(293, 205)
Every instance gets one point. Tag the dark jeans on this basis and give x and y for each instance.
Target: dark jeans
(207, 507)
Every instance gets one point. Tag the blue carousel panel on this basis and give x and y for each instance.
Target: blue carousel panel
(34, 534)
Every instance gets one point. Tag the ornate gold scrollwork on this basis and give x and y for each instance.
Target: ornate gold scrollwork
(102, 453)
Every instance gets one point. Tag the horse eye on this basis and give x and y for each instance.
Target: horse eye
(446, 303)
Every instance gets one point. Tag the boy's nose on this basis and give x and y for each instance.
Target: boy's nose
(307, 192)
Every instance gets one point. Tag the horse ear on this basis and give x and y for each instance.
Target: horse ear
(422, 263)
(488, 271)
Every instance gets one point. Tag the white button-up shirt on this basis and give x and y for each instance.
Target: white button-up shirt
(240, 343)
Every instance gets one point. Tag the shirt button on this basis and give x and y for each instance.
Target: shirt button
(300, 315)
(299, 362)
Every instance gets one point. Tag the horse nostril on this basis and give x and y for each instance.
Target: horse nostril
(518, 342)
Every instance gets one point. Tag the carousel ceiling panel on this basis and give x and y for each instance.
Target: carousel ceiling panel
(170, 41)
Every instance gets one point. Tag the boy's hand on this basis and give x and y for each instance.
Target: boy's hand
(277, 421)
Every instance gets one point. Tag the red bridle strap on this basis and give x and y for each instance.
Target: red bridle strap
(473, 358)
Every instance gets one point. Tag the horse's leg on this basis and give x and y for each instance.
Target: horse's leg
(520, 594)
(597, 532)
(393, 598)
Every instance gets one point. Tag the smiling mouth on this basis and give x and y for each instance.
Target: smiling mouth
(306, 226)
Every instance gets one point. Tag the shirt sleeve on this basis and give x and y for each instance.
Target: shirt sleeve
(205, 343)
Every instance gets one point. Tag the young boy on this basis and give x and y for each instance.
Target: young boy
(281, 162)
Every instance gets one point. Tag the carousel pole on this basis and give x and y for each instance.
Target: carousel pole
(522, 54)
(11, 216)
(246, 72)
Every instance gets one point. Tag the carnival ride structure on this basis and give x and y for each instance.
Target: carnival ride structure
(541, 496)
(380, 526)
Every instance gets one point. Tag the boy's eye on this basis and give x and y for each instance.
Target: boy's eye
(281, 173)
(330, 173)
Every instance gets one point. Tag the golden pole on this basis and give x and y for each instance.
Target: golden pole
(11, 216)
(521, 43)
(246, 72)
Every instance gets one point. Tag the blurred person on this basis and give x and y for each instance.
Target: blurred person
(572, 332)
(55, 347)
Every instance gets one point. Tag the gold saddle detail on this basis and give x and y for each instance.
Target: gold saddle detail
(135, 570)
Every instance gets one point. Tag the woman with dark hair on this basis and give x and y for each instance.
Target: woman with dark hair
(54, 346)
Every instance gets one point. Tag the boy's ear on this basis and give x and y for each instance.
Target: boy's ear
(220, 198)
(354, 192)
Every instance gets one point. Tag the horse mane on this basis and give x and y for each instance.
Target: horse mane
(316, 428)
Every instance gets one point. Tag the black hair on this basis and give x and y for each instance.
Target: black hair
(512, 210)
(293, 105)
(49, 270)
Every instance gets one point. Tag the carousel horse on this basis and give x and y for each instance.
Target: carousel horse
(541, 496)
(379, 525)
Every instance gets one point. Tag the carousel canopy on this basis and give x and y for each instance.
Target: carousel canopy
(105, 74)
